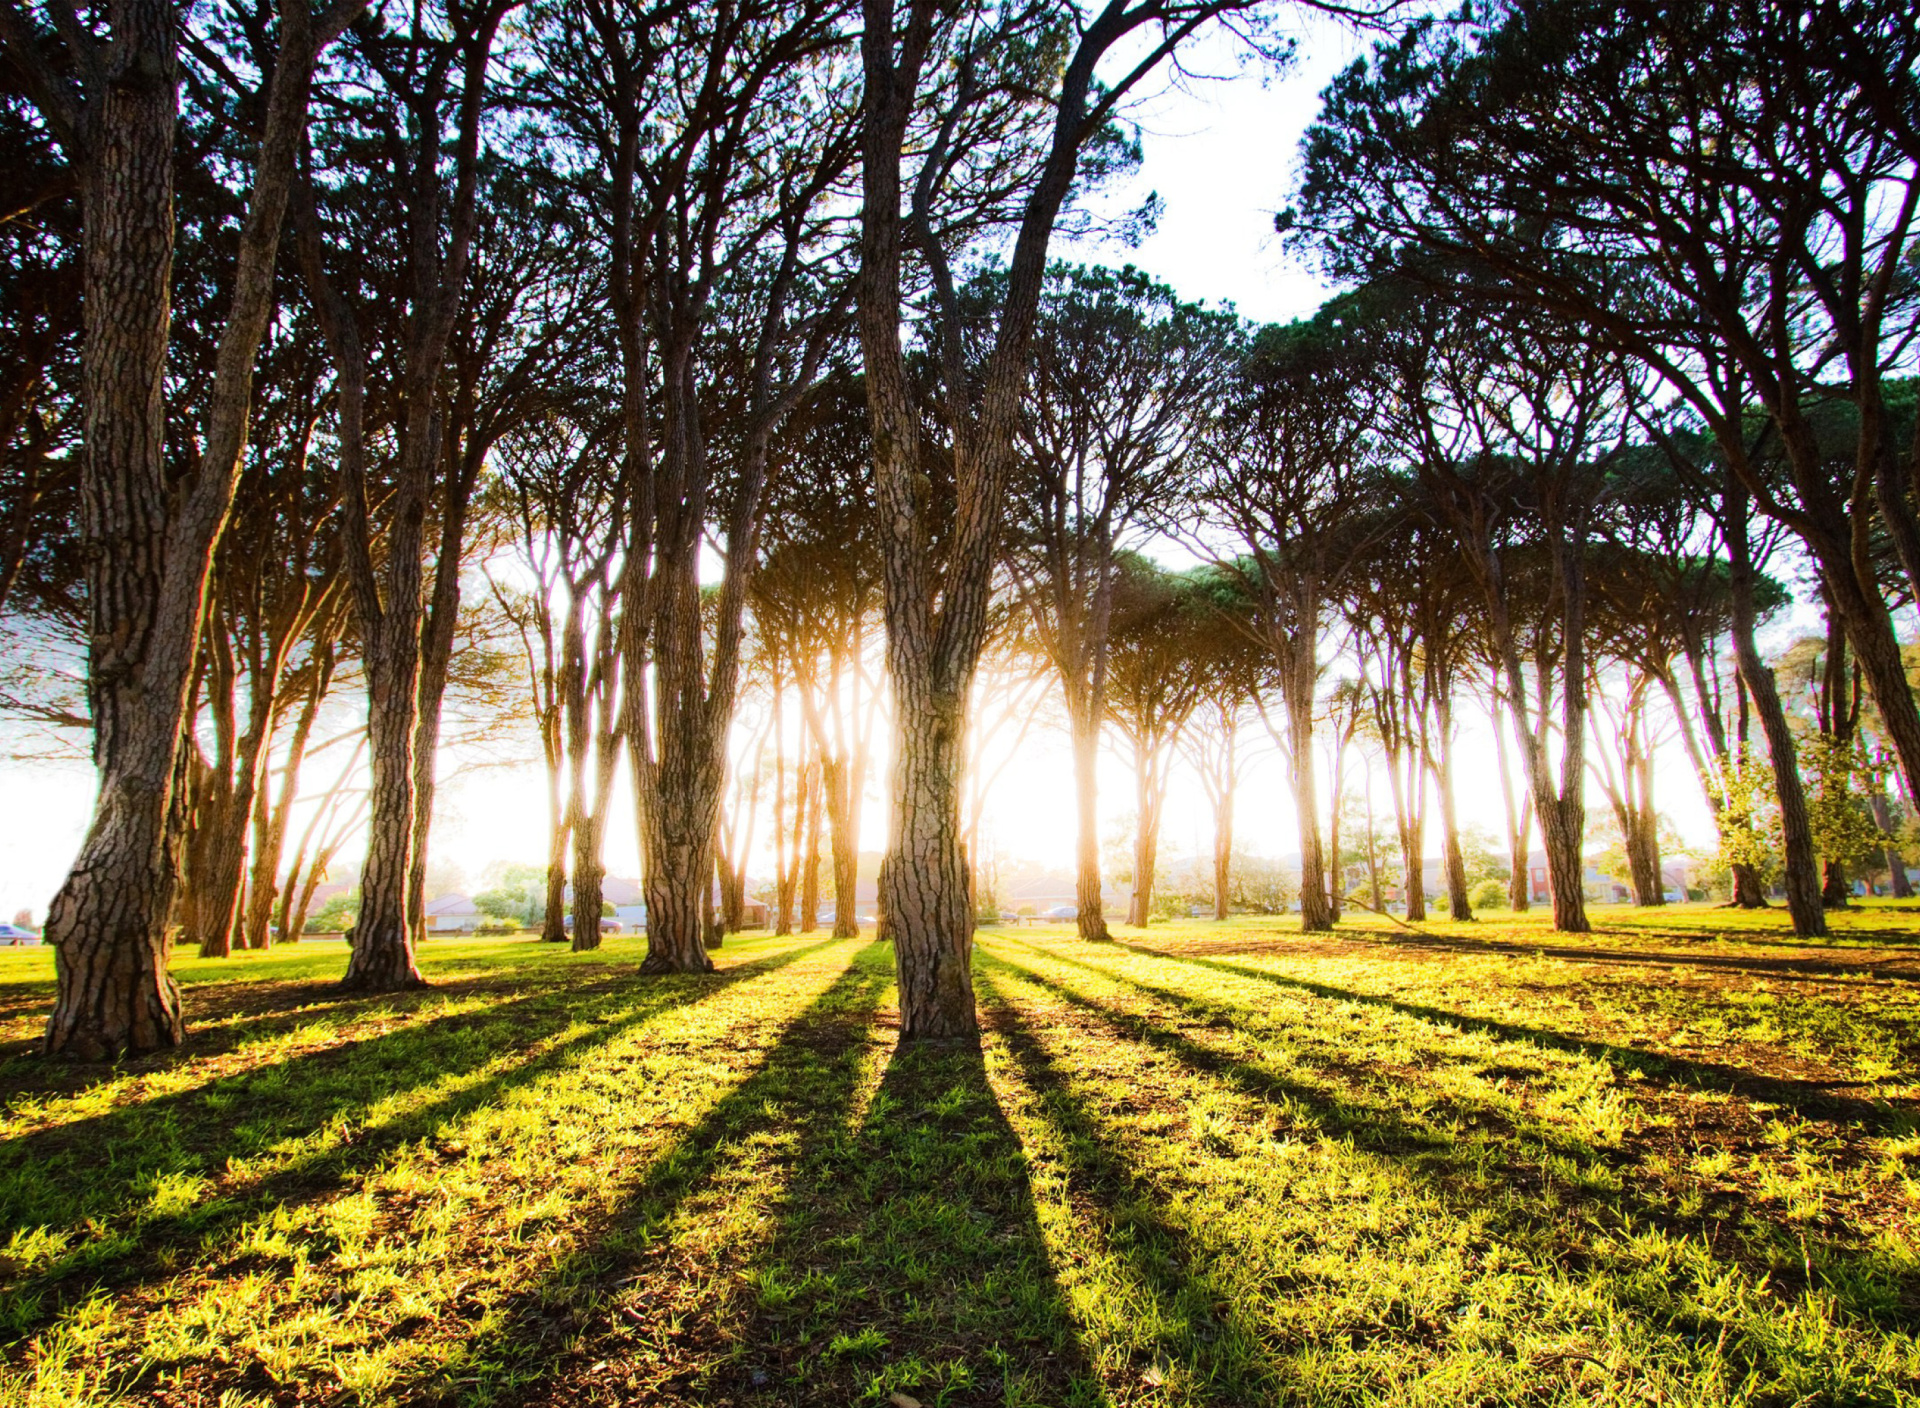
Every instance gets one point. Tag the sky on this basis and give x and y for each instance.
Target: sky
(1221, 156)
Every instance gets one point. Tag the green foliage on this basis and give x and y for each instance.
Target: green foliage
(1839, 779)
(337, 915)
(518, 892)
(1489, 894)
(1749, 814)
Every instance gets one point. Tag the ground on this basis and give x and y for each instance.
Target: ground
(1676, 1161)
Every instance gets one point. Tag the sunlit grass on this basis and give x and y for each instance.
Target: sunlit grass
(1676, 1161)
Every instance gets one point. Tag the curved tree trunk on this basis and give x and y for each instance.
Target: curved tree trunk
(1796, 832)
(150, 537)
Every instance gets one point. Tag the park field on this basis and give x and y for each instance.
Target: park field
(1673, 1162)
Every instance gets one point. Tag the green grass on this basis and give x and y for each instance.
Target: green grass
(1676, 1161)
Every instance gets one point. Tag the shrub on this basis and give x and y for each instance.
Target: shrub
(497, 926)
(1489, 894)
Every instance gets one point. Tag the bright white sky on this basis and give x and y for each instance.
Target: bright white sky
(1221, 156)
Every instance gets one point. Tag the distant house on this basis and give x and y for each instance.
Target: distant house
(452, 914)
(628, 898)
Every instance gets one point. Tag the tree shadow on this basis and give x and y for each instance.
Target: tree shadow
(909, 1258)
(100, 1173)
(619, 1301)
(903, 1252)
(1806, 1098)
(1455, 1163)
(1199, 1335)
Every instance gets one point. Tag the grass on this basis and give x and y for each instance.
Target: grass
(1676, 1161)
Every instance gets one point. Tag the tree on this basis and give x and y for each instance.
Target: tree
(1006, 113)
(1155, 671)
(111, 103)
(1122, 376)
(1746, 243)
(415, 89)
(1290, 472)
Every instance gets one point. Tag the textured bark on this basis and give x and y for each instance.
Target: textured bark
(682, 778)
(1300, 678)
(1085, 724)
(925, 877)
(1459, 903)
(1796, 833)
(149, 540)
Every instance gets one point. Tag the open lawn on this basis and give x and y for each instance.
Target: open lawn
(1673, 1162)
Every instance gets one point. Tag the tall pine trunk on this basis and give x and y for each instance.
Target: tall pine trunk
(924, 883)
(1796, 831)
(1084, 720)
(150, 538)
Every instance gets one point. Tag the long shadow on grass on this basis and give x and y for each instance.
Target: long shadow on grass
(101, 1169)
(1201, 1333)
(909, 1259)
(619, 1301)
(1868, 1283)
(1809, 1099)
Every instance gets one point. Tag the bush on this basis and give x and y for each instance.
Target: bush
(1489, 894)
(336, 916)
(498, 926)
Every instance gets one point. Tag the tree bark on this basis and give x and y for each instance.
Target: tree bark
(1459, 902)
(150, 540)
(1084, 721)
(925, 878)
(1796, 832)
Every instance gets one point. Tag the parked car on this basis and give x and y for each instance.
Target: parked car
(13, 934)
(1062, 912)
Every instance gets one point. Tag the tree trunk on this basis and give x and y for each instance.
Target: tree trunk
(108, 923)
(382, 957)
(1316, 915)
(1897, 883)
(589, 873)
(924, 883)
(1084, 721)
(810, 855)
(553, 923)
(1459, 903)
(1802, 876)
